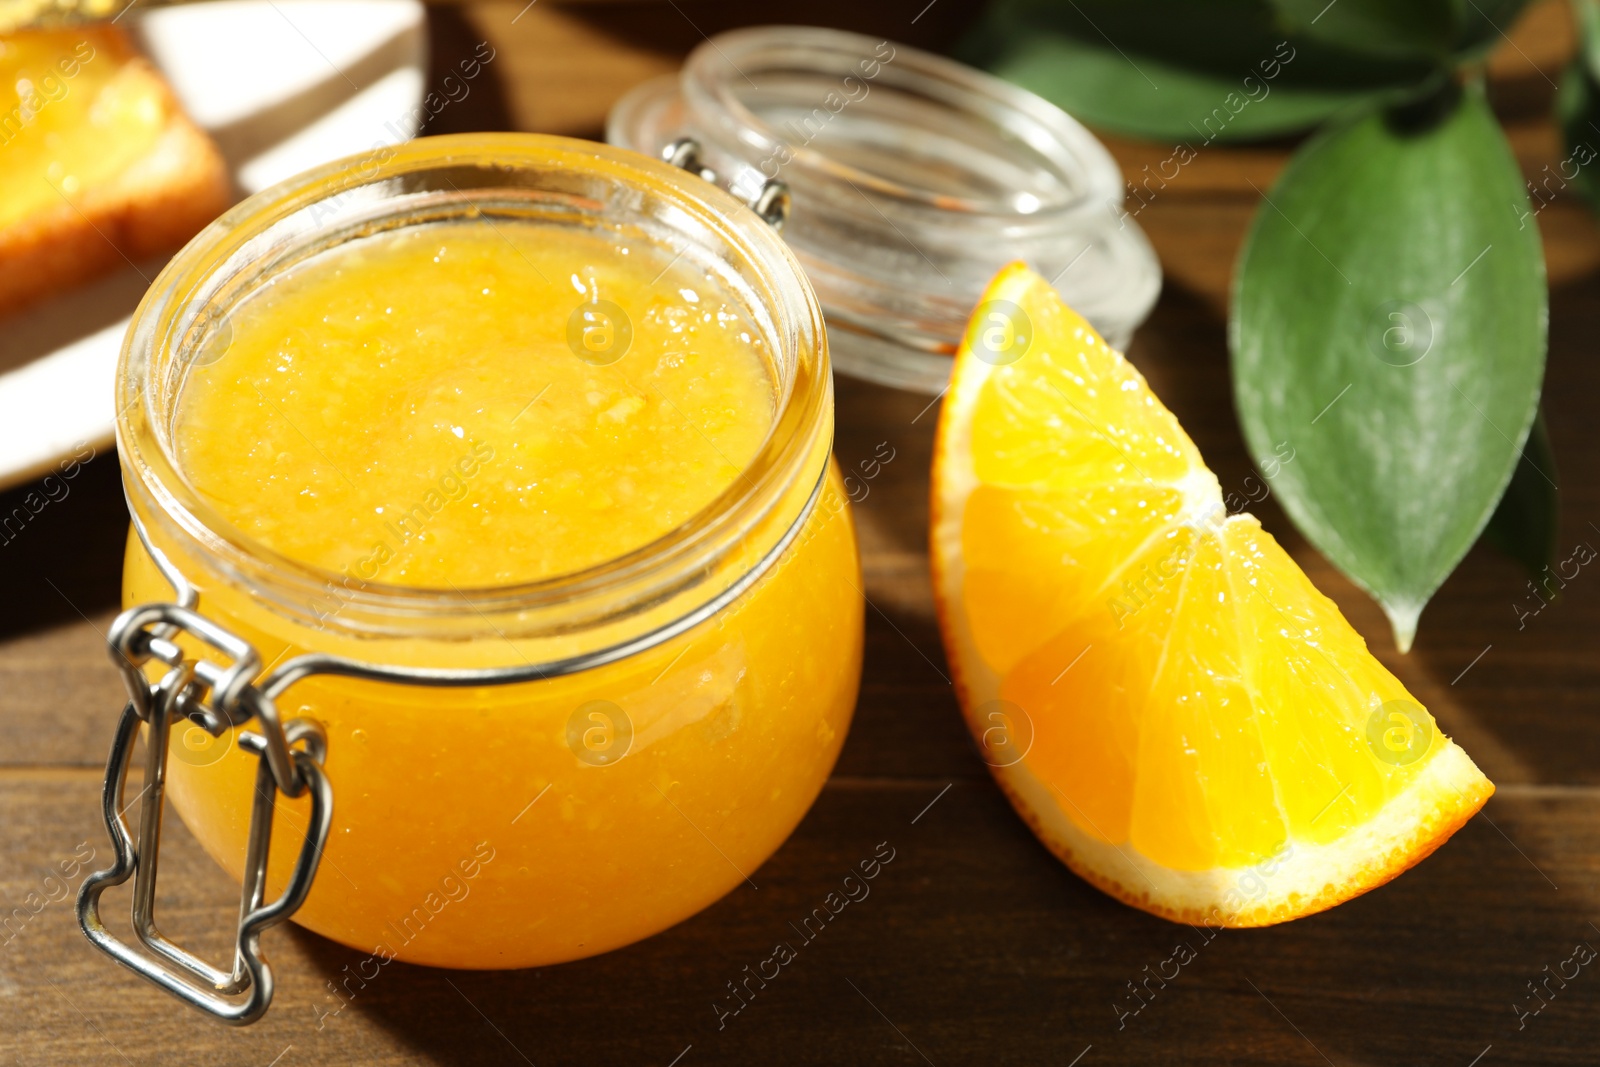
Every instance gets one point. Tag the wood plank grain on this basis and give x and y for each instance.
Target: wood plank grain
(972, 946)
(564, 66)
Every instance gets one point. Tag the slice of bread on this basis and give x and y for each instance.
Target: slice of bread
(170, 184)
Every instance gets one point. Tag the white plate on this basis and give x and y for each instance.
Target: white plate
(282, 85)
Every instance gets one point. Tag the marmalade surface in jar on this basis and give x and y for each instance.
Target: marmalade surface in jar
(479, 404)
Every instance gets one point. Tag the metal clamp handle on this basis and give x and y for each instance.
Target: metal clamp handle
(771, 201)
(215, 698)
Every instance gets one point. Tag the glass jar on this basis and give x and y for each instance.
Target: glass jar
(914, 179)
(520, 775)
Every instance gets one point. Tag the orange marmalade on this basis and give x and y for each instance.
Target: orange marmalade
(75, 110)
(444, 411)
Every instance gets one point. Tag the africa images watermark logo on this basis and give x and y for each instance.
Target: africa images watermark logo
(453, 887)
(599, 733)
(37, 93)
(599, 332)
(1002, 333)
(853, 888)
(800, 130)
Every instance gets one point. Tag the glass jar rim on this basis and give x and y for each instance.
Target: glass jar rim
(711, 83)
(185, 302)
(913, 179)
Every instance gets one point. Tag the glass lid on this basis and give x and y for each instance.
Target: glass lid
(913, 179)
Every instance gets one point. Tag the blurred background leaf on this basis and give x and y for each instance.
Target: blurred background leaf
(1166, 68)
(1389, 320)
(1399, 28)
(1481, 25)
(1578, 102)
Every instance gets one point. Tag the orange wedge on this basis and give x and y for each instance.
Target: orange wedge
(1164, 696)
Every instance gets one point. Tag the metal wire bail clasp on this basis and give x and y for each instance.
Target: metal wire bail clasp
(216, 698)
(771, 201)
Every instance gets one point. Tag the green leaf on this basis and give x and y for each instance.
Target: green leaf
(1483, 24)
(1578, 110)
(1179, 70)
(1524, 524)
(1377, 27)
(1587, 15)
(1465, 29)
(1388, 321)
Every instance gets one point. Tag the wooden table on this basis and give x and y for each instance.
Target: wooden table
(975, 946)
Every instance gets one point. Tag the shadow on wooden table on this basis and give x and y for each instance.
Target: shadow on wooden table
(452, 42)
(1519, 661)
(61, 541)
